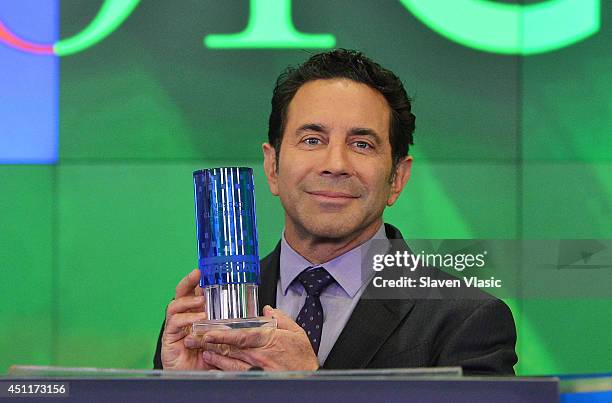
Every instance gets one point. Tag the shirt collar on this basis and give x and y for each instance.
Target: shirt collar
(345, 269)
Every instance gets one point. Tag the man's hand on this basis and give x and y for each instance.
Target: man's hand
(286, 348)
(187, 307)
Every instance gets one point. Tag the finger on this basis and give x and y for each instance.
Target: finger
(230, 351)
(225, 363)
(222, 349)
(187, 285)
(193, 341)
(179, 325)
(241, 338)
(185, 304)
(283, 321)
(197, 342)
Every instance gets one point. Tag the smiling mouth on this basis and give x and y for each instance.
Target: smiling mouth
(333, 196)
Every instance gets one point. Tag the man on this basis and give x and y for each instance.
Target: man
(338, 140)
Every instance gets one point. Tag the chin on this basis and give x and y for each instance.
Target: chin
(329, 228)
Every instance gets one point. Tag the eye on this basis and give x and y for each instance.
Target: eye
(312, 141)
(363, 145)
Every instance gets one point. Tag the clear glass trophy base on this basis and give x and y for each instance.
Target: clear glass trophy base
(202, 327)
(231, 306)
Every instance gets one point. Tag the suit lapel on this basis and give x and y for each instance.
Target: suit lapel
(369, 326)
(270, 271)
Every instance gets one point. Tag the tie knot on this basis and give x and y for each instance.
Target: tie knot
(315, 280)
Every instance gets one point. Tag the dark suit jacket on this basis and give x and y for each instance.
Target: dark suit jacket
(475, 332)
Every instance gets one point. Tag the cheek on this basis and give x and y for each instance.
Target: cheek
(288, 181)
(292, 172)
(378, 186)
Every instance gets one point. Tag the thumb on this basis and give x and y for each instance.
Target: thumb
(283, 321)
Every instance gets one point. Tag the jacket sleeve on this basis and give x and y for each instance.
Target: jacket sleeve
(157, 362)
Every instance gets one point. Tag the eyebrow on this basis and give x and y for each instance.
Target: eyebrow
(312, 127)
(365, 131)
(354, 131)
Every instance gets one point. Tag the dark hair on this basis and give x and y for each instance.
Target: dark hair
(353, 65)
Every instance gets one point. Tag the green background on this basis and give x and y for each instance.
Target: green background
(92, 247)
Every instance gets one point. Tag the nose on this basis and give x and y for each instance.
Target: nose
(336, 162)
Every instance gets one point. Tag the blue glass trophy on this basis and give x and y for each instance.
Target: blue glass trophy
(227, 249)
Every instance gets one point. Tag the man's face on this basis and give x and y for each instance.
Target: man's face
(335, 165)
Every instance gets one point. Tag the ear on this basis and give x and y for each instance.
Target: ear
(270, 167)
(402, 173)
